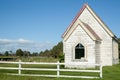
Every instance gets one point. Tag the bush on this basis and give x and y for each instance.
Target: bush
(61, 58)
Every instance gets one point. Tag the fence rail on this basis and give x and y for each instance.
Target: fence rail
(19, 68)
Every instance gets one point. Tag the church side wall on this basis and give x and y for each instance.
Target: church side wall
(115, 52)
(97, 52)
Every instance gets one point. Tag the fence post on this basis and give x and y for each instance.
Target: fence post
(100, 70)
(58, 69)
(19, 69)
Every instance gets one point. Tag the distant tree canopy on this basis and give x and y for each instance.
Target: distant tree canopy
(6, 53)
(55, 52)
(19, 52)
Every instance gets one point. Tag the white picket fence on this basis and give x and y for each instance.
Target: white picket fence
(58, 70)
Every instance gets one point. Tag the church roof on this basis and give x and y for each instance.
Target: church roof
(92, 31)
(87, 26)
(74, 20)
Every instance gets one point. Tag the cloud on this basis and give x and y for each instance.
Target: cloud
(5, 41)
(19, 41)
(24, 44)
(23, 41)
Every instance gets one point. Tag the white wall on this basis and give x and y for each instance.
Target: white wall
(79, 36)
(106, 43)
(115, 52)
(104, 52)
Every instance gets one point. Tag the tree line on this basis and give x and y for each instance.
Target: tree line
(55, 52)
(20, 53)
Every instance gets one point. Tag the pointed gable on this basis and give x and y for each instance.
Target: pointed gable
(87, 27)
(90, 32)
(97, 38)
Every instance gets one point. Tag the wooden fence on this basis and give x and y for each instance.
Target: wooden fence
(58, 70)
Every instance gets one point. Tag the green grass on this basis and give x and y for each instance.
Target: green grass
(8, 77)
(41, 72)
(109, 73)
(31, 59)
(37, 59)
(8, 57)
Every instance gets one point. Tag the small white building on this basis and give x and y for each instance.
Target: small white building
(89, 41)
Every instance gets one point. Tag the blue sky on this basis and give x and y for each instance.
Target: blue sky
(37, 25)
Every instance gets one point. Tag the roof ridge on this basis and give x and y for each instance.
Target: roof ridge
(86, 6)
(100, 21)
(74, 20)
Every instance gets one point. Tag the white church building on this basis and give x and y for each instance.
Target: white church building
(88, 40)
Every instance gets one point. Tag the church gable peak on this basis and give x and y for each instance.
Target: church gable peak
(86, 6)
(74, 20)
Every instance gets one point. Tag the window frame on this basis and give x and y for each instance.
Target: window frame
(83, 59)
(79, 51)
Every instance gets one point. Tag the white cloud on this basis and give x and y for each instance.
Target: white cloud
(23, 41)
(5, 41)
(7, 45)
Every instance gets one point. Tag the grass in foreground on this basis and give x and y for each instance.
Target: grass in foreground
(8, 77)
(109, 73)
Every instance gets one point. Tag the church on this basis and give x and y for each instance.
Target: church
(88, 40)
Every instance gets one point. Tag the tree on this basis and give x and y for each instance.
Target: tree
(6, 53)
(41, 53)
(55, 52)
(19, 52)
(26, 53)
(34, 54)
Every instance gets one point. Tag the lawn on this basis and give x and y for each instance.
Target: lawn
(30, 59)
(8, 77)
(37, 59)
(43, 72)
(109, 73)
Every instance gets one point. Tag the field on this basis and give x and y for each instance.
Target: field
(109, 73)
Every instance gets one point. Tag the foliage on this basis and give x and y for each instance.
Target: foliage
(61, 58)
(6, 53)
(34, 54)
(55, 52)
(26, 53)
(19, 52)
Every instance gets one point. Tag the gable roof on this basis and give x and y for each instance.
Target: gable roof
(92, 31)
(88, 27)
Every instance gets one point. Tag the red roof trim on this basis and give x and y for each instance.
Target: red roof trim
(74, 20)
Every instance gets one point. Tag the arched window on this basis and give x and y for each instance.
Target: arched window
(79, 51)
